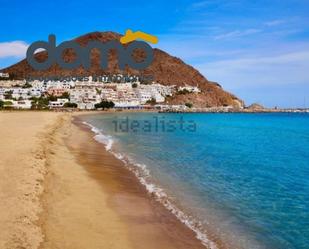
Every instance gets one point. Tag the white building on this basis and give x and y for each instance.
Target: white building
(127, 104)
(85, 98)
(164, 90)
(35, 92)
(22, 104)
(85, 106)
(2, 92)
(143, 95)
(84, 95)
(4, 75)
(20, 93)
(58, 103)
(45, 85)
(191, 89)
(109, 94)
(148, 92)
(124, 86)
(18, 104)
(37, 84)
(59, 84)
(88, 93)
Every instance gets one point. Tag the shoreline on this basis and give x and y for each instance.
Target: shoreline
(76, 214)
(137, 220)
(204, 235)
(76, 194)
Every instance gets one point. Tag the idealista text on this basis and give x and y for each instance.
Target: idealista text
(154, 124)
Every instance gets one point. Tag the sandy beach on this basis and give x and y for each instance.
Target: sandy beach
(23, 166)
(61, 189)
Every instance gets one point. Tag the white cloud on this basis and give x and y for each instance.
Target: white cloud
(207, 3)
(281, 69)
(237, 33)
(272, 80)
(274, 23)
(203, 3)
(243, 63)
(13, 49)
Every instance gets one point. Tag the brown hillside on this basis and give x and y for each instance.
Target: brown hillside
(165, 69)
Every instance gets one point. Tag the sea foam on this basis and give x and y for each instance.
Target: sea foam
(143, 174)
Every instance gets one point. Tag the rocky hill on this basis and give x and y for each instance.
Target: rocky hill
(165, 69)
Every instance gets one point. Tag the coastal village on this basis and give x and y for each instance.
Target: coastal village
(86, 95)
(92, 94)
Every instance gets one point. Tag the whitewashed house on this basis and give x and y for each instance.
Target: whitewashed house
(4, 75)
(22, 104)
(20, 93)
(35, 92)
(58, 103)
(2, 92)
(191, 89)
(86, 106)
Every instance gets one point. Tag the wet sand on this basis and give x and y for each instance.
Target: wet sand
(97, 203)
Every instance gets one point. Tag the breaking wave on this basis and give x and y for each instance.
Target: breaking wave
(143, 174)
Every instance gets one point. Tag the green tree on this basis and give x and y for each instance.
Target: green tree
(1, 104)
(27, 85)
(190, 105)
(65, 95)
(40, 103)
(98, 91)
(7, 103)
(70, 105)
(184, 91)
(8, 95)
(104, 104)
(152, 101)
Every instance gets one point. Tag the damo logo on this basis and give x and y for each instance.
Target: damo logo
(82, 54)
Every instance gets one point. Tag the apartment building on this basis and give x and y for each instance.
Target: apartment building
(148, 92)
(20, 93)
(57, 92)
(85, 98)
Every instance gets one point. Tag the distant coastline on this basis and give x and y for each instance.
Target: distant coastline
(222, 110)
(169, 110)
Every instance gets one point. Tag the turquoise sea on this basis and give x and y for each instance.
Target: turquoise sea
(243, 178)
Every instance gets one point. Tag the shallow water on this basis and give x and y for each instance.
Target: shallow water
(245, 177)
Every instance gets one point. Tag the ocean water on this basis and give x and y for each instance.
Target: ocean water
(242, 178)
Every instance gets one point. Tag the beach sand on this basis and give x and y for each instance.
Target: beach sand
(59, 188)
(22, 170)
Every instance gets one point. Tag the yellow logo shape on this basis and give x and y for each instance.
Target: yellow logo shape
(132, 36)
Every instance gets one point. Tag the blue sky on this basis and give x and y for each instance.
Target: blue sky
(259, 50)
